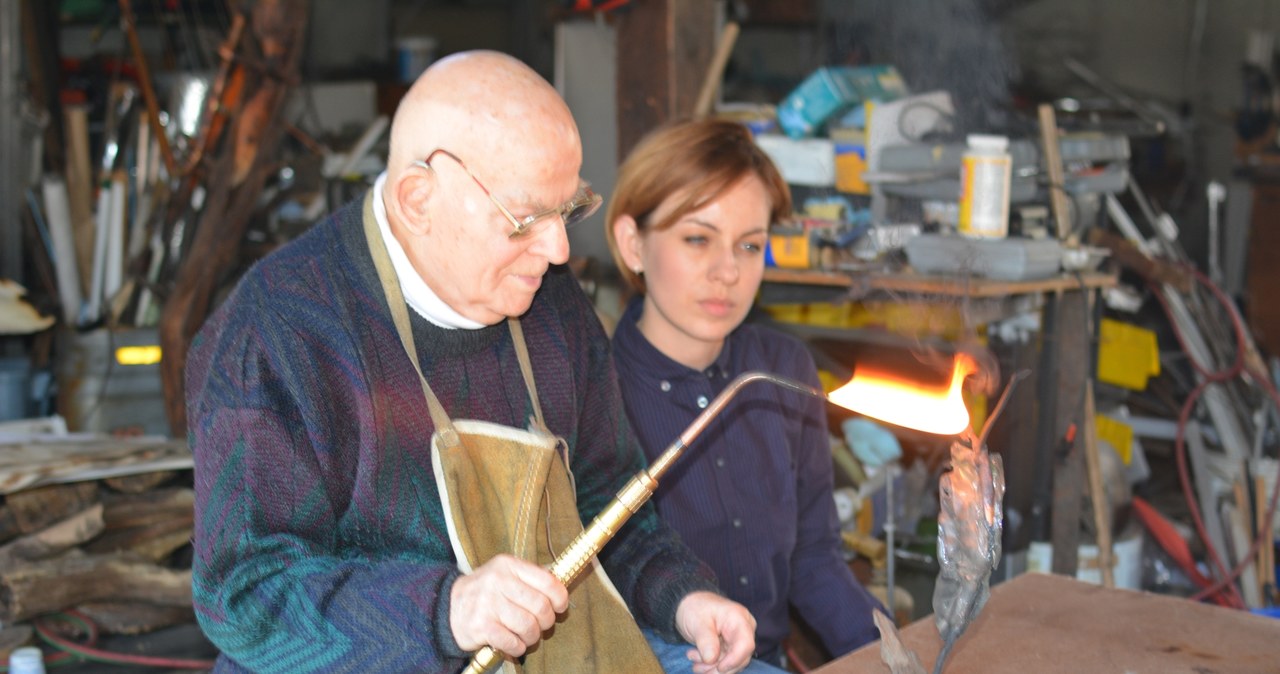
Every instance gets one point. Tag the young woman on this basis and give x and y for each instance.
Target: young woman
(687, 226)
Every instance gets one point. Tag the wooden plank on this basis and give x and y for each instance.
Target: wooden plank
(46, 461)
(1070, 341)
(715, 73)
(1044, 623)
(80, 187)
(664, 48)
(806, 277)
(1049, 142)
(952, 286)
(1097, 492)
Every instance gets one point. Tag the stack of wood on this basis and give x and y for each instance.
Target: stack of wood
(116, 550)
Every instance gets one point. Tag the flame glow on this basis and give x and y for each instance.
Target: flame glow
(894, 399)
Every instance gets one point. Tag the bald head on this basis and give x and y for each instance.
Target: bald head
(482, 106)
(511, 131)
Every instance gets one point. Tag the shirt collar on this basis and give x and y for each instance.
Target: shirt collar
(417, 293)
(632, 344)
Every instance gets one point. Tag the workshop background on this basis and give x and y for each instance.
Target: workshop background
(1117, 274)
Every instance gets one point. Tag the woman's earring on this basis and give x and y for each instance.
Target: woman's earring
(638, 270)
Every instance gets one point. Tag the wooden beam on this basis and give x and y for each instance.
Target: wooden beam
(1069, 340)
(664, 50)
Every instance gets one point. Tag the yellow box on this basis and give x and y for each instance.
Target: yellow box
(851, 162)
(788, 251)
(1127, 355)
(1118, 434)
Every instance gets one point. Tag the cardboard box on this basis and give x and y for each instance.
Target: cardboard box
(803, 161)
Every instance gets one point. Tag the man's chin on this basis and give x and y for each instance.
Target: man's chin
(512, 309)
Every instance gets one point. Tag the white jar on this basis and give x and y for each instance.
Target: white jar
(986, 170)
(26, 660)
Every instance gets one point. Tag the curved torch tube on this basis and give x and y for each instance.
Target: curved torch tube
(570, 563)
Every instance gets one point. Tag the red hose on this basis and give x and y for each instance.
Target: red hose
(1226, 579)
(44, 627)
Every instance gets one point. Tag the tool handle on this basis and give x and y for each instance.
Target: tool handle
(570, 562)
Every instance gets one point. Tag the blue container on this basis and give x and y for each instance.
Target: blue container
(823, 94)
(15, 388)
(831, 91)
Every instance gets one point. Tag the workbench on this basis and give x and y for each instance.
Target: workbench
(1047, 623)
(1044, 474)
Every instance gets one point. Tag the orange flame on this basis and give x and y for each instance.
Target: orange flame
(892, 398)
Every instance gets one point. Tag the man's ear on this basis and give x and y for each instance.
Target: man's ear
(412, 195)
(630, 244)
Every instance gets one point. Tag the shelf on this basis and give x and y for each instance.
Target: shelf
(953, 286)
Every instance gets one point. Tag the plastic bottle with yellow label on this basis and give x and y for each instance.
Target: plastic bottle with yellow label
(986, 170)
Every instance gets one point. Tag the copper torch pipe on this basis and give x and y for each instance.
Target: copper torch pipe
(570, 563)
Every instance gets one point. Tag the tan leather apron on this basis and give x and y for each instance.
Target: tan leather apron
(505, 489)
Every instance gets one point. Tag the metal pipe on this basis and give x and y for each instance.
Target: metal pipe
(890, 526)
(570, 563)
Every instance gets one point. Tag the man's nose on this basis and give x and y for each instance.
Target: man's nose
(553, 242)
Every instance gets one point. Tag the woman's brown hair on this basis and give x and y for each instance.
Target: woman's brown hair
(697, 159)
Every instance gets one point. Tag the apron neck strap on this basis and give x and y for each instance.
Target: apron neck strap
(526, 369)
(400, 316)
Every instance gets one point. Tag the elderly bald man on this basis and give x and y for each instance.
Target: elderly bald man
(401, 416)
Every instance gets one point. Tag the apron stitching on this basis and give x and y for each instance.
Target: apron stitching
(523, 514)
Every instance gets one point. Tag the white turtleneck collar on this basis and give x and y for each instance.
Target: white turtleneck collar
(417, 293)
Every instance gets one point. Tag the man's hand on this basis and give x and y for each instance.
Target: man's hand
(723, 632)
(507, 603)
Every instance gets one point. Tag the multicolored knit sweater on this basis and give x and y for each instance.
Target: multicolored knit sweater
(319, 537)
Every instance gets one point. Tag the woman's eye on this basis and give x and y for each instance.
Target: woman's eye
(752, 247)
(695, 240)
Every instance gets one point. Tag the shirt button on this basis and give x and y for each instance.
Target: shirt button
(665, 386)
(737, 523)
(720, 462)
(742, 580)
(702, 402)
(711, 373)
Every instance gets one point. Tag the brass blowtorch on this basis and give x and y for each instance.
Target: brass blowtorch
(570, 563)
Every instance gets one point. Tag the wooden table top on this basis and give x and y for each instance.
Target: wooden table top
(1044, 623)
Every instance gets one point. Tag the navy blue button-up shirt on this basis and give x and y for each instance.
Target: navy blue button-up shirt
(752, 494)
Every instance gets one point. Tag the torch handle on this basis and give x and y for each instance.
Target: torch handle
(570, 563)
(574, 559)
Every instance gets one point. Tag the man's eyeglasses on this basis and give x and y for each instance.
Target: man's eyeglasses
(579, 208)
